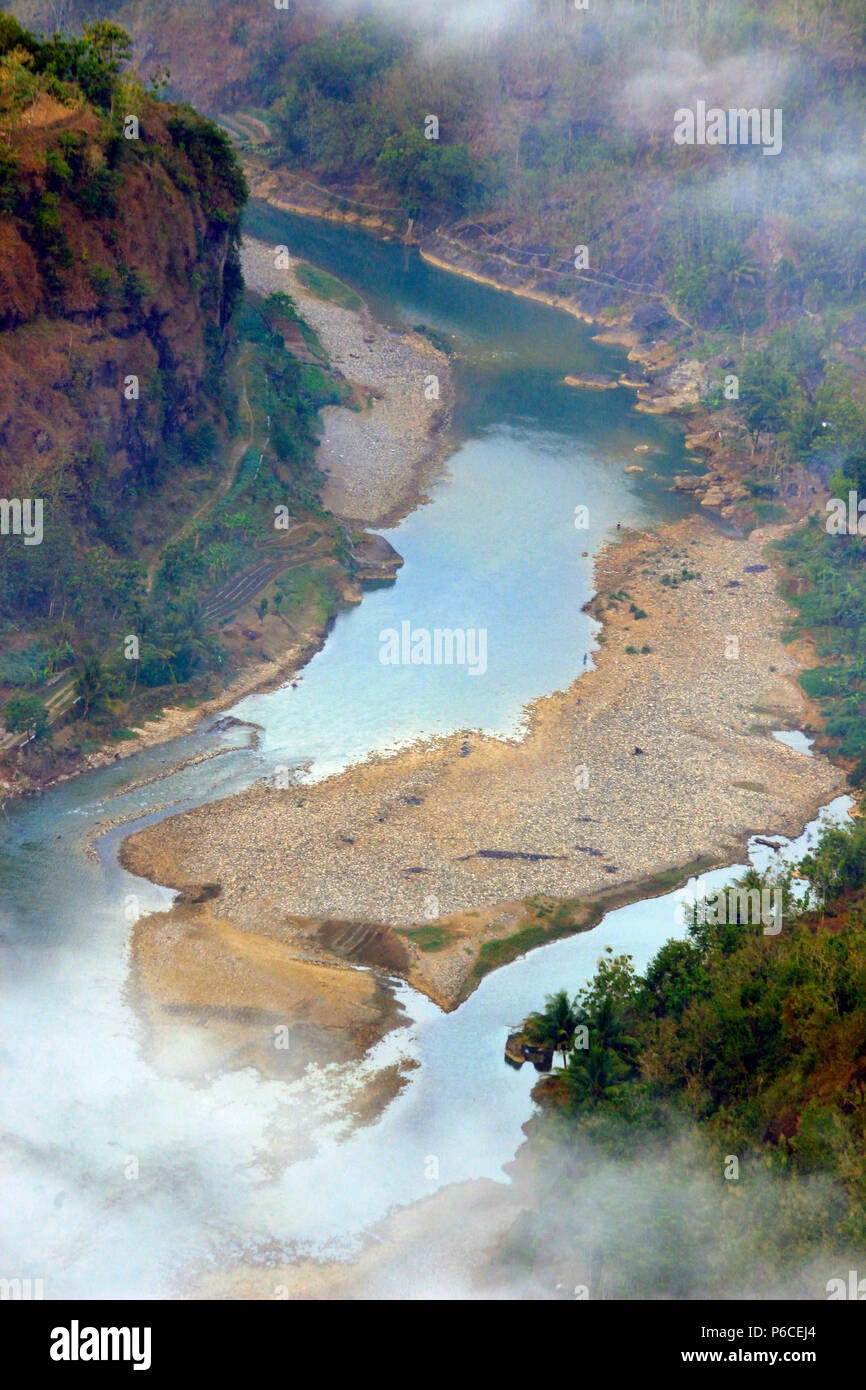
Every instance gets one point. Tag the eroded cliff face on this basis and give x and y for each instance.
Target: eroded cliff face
(118, 272)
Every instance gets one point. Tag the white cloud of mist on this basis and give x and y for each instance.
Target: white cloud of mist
(662, 1223)
(677, 78)
(452, 20)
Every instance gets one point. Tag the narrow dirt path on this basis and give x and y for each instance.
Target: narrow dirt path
(57, 703)
(235, 454)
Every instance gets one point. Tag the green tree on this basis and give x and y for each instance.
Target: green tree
(767, 395)
(424, 172)
(91, 686)
(608, 1024)
(593, 1074)
(26, 714)
(104, 48)
(554, 1026)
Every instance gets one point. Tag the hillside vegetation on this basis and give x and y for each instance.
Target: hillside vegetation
(519, 136)
(731, 1075)
(157, 425)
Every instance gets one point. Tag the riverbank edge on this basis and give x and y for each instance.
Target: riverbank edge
(426, 441)
(588, 907)
(180, 720)
(594, 907)
(598, 904)
(270, 188)
(177, 721)
(674, 383)
(388, 232)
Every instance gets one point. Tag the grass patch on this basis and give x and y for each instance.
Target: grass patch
(507, 948)
(826, 584)
(427, 938)
(320, 385)
(309, 590)
(558, 919)
(670, 878)
(768, 512)
(559, 912)
(328, 287)
(685, 574)
(311, 339)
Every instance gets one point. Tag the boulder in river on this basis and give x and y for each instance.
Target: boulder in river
(376, 558)
(685, 482)
(518, 1051)
(593, 381)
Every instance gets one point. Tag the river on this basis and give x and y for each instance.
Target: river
(122, 1180)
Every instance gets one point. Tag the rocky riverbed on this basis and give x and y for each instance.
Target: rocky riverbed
(660, 757)
(378, 456)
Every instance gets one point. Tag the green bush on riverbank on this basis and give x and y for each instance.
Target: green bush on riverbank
(732, 1045)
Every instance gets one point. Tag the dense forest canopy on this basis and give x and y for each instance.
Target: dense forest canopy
(728, 1081)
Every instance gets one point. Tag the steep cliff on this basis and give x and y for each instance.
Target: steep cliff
(119, 220)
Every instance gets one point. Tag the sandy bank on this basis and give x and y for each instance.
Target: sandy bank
(249, 998)
(379, 457)
(673, 746)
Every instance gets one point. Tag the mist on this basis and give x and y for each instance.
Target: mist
(579, 1222)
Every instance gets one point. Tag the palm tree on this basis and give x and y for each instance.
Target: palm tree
(591, 1075)
(738, 272)
(90, 684)
(554, 1026)
(734, 263)
(165, 655)
(594, 1071)
(607, 1025)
